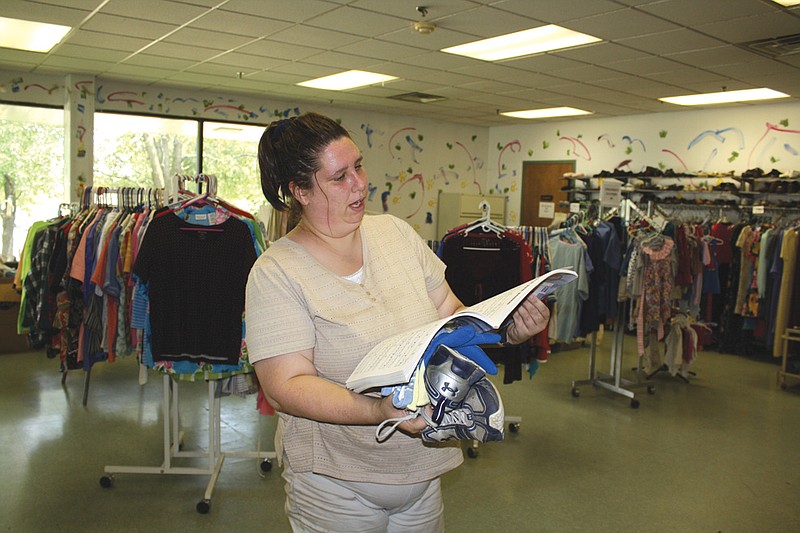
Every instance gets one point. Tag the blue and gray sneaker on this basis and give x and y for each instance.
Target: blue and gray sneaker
(448, 378)
(480, 417)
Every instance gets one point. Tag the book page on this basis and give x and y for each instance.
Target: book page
(494, 310)
(390, 357)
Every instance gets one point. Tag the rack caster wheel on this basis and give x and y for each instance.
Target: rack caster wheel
(651, 389)
(634, 403)
(472, 453)
(576, 392)
(106, 482)
(513, 427)
(203, 506)
(266, 465)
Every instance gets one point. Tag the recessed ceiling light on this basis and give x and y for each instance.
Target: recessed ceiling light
(30, 36)
(547, 113)
(522, 43)
(347, 80)
(725, 97)
(787, 3)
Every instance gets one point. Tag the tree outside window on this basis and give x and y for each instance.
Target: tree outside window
(31, 171)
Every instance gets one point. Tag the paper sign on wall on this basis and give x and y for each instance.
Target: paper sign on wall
(547, 209)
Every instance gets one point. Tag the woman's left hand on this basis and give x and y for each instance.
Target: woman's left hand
(529, 319)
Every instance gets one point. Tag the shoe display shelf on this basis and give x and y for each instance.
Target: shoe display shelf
(773, 191)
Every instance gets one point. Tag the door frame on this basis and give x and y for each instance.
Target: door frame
(526, 164)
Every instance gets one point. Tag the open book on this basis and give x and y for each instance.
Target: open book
(393, 360)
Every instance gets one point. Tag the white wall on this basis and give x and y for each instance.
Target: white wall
(716, 140)
(408, 159)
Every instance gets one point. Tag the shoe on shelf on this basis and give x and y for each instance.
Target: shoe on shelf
(753, 173)
(480, 417)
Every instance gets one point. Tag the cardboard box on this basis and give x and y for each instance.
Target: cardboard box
(10, 342)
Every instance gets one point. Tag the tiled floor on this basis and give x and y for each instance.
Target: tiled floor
(721, 453)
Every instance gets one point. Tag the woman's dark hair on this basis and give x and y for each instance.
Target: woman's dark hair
(290, 150)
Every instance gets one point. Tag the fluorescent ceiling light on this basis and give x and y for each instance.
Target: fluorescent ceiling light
(347, 80)
(30, 36)
(787, 3)
(725, 97)
(522, 43)
(547, 113)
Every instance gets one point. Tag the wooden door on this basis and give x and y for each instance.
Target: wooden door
(542, 182)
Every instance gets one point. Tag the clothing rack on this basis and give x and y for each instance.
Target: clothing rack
(173, 445)
(613, 380)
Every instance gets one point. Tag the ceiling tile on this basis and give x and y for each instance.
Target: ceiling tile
(314, 37)
(644, 67)
(711, 57)
(246, 61)
(340, 61)
(620, 24)
(143, 29)
(668, 42)
(239, 24)
(106, 40)
(163, 62)
(207, 39)
(66, 16)
(586, 73)
(278, 50)
(600, 53)
(487, 21)
(155, 10)
(752, 28)
(191, 53)
(436, 11)
(89, 52)
(547, 63)
(558, 11)
(378, 49)
(693, 13)
(73, 64)
(294, 11)
(369, 23)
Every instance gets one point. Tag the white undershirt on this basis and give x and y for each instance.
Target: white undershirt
(357, 276)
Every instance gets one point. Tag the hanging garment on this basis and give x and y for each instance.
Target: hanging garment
(196, 277)
(569, 298)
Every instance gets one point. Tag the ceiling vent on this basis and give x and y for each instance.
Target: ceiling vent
(775, 47)
(419, 98)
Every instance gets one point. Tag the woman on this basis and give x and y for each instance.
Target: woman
(317, 301)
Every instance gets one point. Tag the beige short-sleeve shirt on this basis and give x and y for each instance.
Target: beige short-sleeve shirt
(294, 303)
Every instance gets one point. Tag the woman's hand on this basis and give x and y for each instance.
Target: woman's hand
(529, 319)
(411, 427)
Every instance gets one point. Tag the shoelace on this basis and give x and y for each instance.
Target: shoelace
(382, 432)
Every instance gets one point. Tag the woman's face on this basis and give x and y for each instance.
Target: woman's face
(336, 202)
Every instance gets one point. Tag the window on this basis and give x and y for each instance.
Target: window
(230, 152)
(140, 151)
(129, 151)
(31, 171)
